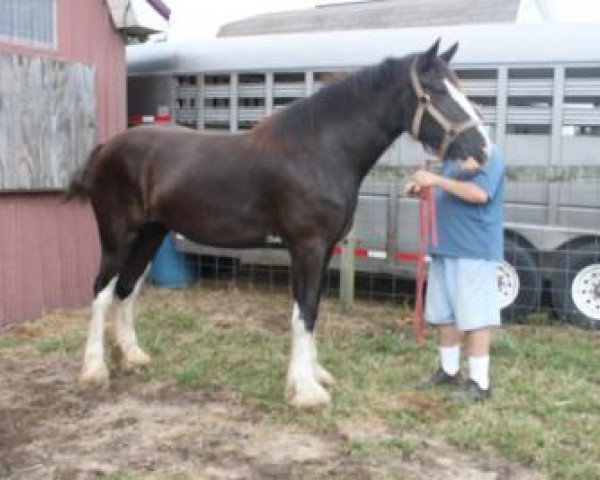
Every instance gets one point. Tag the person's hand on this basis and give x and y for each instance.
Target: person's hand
(412, 189)
(425, 178)
(469, 165)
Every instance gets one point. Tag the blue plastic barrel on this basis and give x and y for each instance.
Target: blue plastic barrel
(170, 267)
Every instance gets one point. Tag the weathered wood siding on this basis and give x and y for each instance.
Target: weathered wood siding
(47, 120)
(49, 249)
(85, 34)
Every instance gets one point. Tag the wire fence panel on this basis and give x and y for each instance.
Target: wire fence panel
(551, 268)
(545, 120)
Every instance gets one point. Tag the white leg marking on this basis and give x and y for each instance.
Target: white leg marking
(321, 375)
(302, 389)
(94, 371)
(133, 357)
(460, 98)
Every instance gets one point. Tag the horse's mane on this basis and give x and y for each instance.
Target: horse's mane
(334, 101)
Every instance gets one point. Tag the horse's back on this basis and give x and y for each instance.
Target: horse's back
(223, 190)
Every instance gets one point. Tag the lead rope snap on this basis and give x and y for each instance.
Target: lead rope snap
(427, 234)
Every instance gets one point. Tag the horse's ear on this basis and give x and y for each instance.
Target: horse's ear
(448, 54)
(430, 55)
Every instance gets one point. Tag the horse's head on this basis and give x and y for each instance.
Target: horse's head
(444, 120)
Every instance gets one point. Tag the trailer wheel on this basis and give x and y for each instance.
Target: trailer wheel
(576, 285)
(519, 282)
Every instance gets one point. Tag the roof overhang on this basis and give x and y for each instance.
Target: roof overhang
(139, 18)
(494, 44)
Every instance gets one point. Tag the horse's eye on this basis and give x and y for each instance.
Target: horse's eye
(429, 149)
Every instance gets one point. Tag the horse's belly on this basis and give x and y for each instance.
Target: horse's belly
(221, 229)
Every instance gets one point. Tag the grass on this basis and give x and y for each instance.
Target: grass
(62, 344)
(8, 342)
(545, 412)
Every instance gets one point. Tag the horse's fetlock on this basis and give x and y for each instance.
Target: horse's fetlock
(94, 374)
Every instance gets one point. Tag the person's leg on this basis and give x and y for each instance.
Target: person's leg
(439, 313)
(478, 344)
(477, 313)
(449, 348)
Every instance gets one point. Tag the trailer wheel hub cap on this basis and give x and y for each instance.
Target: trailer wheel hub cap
(585, 291)
(508, 284)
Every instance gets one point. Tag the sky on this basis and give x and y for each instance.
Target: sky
(202, 19)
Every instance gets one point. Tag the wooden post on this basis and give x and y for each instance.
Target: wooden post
(347, 273)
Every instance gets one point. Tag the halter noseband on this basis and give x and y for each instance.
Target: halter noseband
(451, 129)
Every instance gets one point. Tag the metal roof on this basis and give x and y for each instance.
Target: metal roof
(376, 14)
(480, 44)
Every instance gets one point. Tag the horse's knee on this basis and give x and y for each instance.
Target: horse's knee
(308, 315)
(102, 281)
(125, 286)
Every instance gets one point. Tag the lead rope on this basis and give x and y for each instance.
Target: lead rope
(427, 234)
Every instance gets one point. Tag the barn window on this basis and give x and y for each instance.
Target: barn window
(30, 21)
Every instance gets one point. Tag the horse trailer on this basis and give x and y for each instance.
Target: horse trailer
(537, 87)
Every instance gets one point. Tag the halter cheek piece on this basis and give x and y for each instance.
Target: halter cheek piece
(451, 129)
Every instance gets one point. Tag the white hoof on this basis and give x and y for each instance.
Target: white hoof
(94, 374)
(308, 395)
(323, 376)
(134, 359)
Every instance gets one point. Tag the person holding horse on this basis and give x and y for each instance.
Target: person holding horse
(462, 280)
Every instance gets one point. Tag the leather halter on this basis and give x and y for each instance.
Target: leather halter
(424, 104)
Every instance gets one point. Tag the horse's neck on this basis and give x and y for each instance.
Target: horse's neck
(365, 132)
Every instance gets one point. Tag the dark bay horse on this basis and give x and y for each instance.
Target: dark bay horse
(296, 176)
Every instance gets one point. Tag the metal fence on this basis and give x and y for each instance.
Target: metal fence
(555, 285)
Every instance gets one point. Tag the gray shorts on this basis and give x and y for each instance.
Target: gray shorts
(463, 291)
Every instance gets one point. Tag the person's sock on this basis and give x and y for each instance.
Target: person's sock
(450, 359)
(479, 371)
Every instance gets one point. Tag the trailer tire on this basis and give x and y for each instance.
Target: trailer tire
(521, 265)
(576, 285)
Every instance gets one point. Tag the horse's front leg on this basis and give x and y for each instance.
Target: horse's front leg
(306, 376)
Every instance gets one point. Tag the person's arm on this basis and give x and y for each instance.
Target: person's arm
(467, 191)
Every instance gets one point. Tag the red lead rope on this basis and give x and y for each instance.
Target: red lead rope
(427, 233)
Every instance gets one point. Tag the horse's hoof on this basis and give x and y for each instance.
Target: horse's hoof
(308, 398)
(134, 359)
(323, 376)
(94, 375)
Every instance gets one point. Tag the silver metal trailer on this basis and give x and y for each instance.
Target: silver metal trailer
(538, 87)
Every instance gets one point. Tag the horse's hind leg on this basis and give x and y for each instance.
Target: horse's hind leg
(94, 371)
(127, 289)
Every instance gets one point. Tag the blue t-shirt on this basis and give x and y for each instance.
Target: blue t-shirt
(470, 230)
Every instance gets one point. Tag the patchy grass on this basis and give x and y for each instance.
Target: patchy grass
(60, 344)
(544, 414)
(7, 342)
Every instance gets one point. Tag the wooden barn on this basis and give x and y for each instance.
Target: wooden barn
(62, 89)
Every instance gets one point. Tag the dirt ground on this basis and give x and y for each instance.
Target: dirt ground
(50, 429)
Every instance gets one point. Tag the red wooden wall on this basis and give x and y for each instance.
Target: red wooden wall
(49, 250)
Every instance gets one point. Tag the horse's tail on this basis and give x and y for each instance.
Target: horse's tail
(83, 178)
